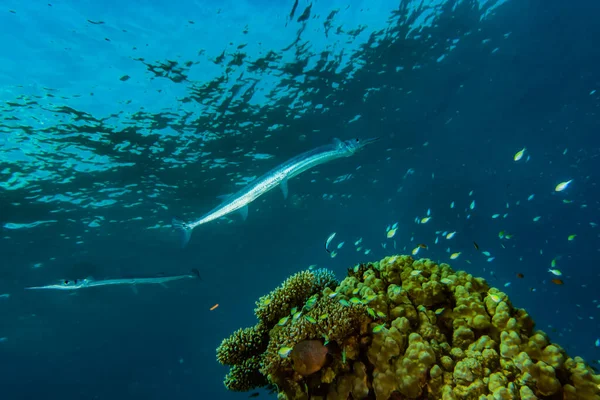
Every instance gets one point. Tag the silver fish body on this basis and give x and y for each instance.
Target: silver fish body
(77, 284)
(278, 176)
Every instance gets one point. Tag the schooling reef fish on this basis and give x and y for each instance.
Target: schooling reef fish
(277, 176)
(76, 284)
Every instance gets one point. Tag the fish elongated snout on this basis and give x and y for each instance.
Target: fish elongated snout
(368, 141)
(365, 142)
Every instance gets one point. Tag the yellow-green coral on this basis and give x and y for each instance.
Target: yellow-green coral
(246, 349)
(245, 376)
(333, 319)
(403, 329)
(242, 344)
(295, 290)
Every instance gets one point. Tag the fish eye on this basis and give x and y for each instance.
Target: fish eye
(75, 281)
(66, 282)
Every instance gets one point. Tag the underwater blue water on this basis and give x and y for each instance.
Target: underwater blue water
(116, 116)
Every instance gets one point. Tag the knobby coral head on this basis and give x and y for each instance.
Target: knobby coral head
(399, 329)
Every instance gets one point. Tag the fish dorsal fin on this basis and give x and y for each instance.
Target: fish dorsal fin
(337, 142)
(284, 188)
(244, 212)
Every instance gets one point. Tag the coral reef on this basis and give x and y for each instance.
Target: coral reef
(399, 329)
(246, 349)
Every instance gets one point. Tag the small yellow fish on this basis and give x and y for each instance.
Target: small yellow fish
(379, 328)
(391, 233)
(370, 298)
(553, 263)
(381, 314)
(310, 303)
(283, 321)
(501, 234)
(563, 185)
(371, 312)
(519, 154)
(344, 302)
(297, 315)
(555, 272)
(439, 311)
(266, 301)
(450, 235)
(415, 272)
(284, 352)
(323, 316)
(495, 298)
(355, 300)
(416, 250)
(310, 319)
(571, 237)
(446, 281)
(454, 256)
(425, 220)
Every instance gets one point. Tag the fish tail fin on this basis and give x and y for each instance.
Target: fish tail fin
(184, 230)
(196, 273)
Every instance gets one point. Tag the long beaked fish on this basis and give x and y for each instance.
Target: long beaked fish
(277, 176)
(76, 284)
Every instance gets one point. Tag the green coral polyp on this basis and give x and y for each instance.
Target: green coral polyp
(403, 329)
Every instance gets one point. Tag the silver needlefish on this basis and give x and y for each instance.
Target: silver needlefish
(277, 176)
(76, 284)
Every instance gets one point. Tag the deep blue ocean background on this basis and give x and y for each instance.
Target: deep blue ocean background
(116, 116)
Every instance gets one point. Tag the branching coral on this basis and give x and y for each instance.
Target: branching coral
(245, 376)
(331, 319)
(242, 344)
(400, 329)
(295, 290)
(246, 349)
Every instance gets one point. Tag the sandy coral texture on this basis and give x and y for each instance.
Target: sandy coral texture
(399, 329)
